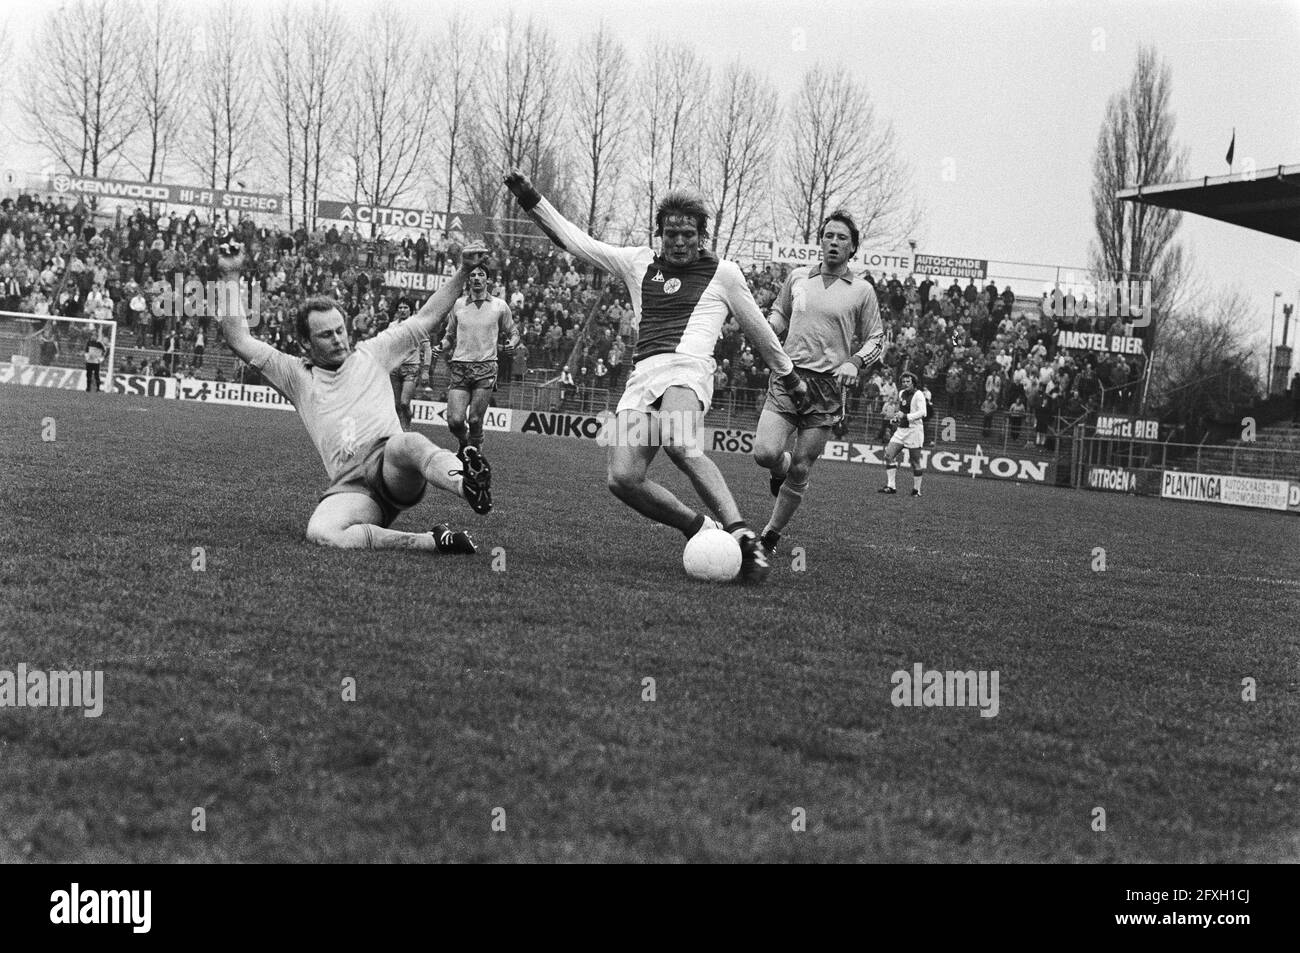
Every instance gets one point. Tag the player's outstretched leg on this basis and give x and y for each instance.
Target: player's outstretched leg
(681, 430)
(478, 408)
(411, 460)
(808, 448)
(770, 442)
(354, 521)
(891, 467)
(457, 412)
(404, 406)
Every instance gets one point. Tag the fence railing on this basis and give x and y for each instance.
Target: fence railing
(1223, 459)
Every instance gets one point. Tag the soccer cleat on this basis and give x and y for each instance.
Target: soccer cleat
(886, 489)
(476, 480)
(769, 541)
(448, 540)
(754, 566)
(916, 492)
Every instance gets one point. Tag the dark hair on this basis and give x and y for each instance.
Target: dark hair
(481, 266)
(844, 218)
(688, 204)
(309, 307)
(404, 301)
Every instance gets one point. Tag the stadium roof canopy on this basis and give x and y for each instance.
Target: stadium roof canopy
(1265, 201)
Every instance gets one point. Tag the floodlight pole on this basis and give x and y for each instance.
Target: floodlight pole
(1272, 324)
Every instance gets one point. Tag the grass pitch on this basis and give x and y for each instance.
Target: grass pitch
(523, 689)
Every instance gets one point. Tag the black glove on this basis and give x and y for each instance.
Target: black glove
(522, 189)
(798, 391)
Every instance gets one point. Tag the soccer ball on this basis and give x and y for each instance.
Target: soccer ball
(712, 555)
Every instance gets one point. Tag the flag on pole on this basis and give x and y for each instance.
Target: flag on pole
(1232, 146)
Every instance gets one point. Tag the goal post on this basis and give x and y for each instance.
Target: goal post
(49, 349)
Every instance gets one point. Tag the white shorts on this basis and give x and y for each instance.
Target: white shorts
(913, 438)
(651, 377)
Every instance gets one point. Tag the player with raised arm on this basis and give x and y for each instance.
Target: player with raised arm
(407, 376)
(477, 323)
(345, 400)
(680, 298)
(821, 310)
(909, 435)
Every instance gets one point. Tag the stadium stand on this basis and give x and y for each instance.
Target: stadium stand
(970, 345)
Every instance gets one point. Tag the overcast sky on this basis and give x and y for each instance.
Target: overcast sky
(1012, 92)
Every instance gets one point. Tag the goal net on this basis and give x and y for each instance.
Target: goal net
(49, 350)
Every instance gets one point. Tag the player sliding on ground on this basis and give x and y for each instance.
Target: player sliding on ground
(821, 309)
(477, 323)
(345, 400)
(680, 298)
(909, 435)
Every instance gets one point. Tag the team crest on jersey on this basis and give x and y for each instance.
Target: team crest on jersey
(672, 285)
(659, 276)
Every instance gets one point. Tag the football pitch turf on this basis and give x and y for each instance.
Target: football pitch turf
(518, 697)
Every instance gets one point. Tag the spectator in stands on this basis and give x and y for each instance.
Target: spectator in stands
(988, 409)
(1016, 416)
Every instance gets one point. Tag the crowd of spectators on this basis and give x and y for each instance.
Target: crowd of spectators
(977, 350)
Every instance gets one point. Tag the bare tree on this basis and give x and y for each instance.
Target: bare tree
(735, 153)
(1204, 368)
(224, 133)
(1136, 147)
(460, 53)
(600, 120)
(78, 88)
(841, 155)
(521, 83)
(309, 72)
(392, 108)
(674, 83)
(163, 86)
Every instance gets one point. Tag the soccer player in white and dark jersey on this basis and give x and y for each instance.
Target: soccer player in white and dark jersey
(909, 435)
(477, 323)
(345, 400)
(821, 309)
(680, 298)
(407, 376)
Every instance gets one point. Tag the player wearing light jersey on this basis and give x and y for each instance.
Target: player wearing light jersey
(680, 298)
(407, 376)
(910, 435)
(476, 324)
(344, 399)
(821, 309)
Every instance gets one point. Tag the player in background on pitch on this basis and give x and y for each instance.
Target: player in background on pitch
(477, 323)
(680, 298)
(909, 435)
(821, 310)
(407, 376)
(345, 400)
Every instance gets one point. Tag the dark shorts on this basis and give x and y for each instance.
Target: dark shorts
(408, 372)
(827, 400)
(473, 375)
(371, 483)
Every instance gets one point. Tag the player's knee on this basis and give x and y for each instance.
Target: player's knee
(768, 457)
(323, 534)
(798, 472)
(621, 479)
